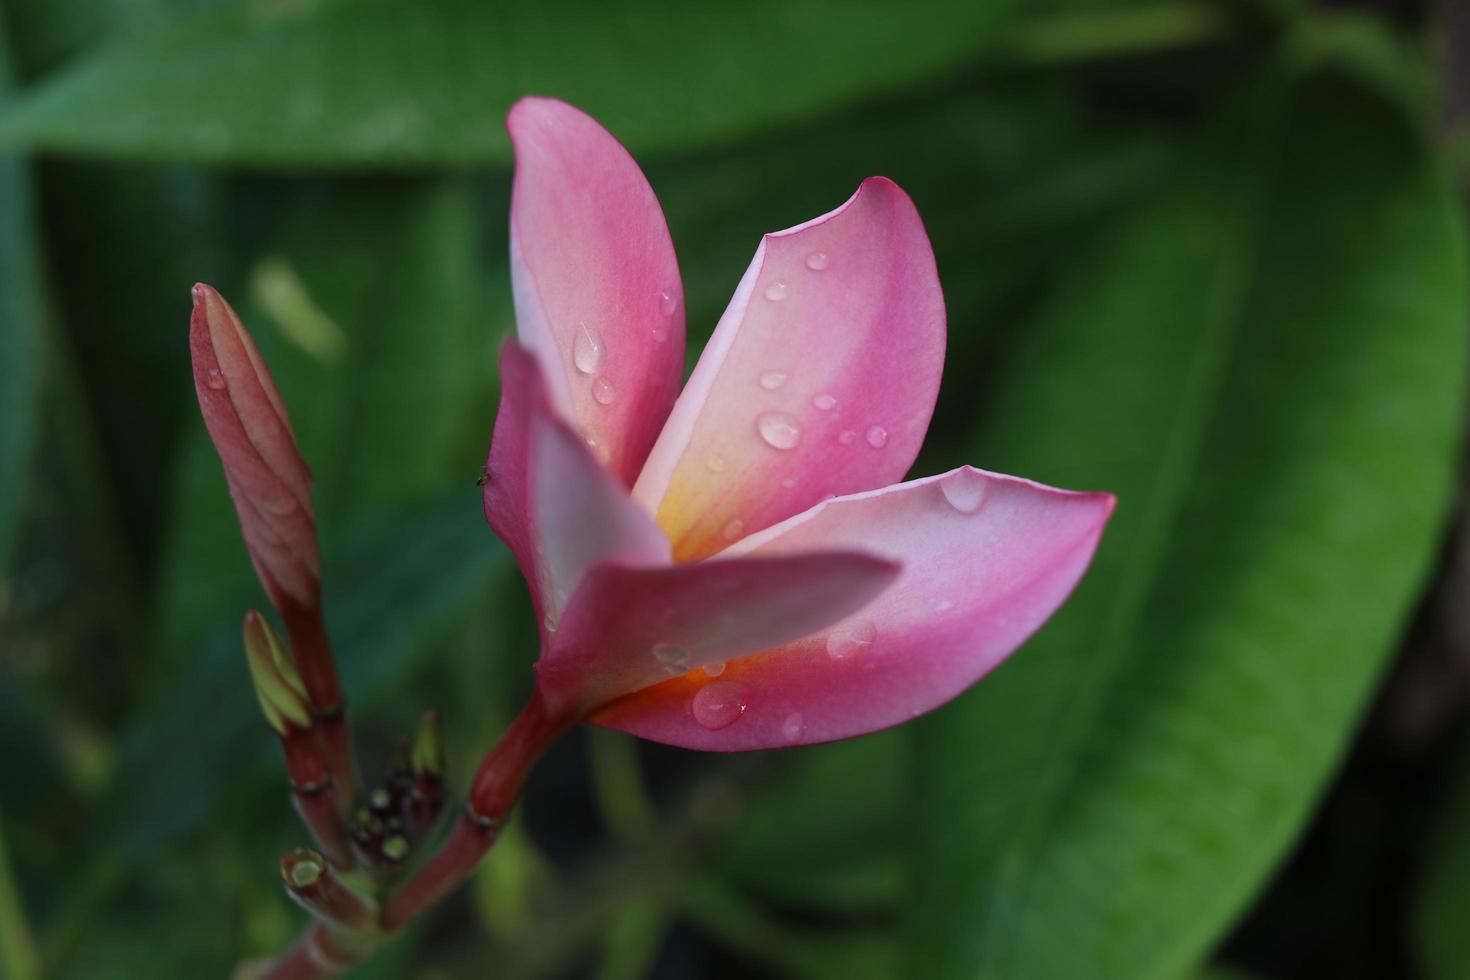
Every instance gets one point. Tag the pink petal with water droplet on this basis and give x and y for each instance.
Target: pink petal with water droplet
(554, 505)
(984, 565)
(268, 479)
(629, 628)
(591, 256)
(866, 330)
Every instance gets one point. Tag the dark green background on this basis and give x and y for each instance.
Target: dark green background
(1207, 255)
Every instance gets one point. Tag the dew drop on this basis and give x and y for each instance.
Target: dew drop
(877, 437)
(846, 437)
(817, 261)
(733, 530)
(715, 669)
(603, 391)
(772, 380)
(777, 291)
(661, 333)
(673, 658)
(789, 482)
(215, 379)
(824, 403)
(779, 430)
(550, 624)
(793, 726)
(588, 350)
(720, 705)
(667, 304)
(965, 490)
(715, 464)
(854, 636)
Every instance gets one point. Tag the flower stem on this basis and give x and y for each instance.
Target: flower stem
(318, 668)
(496, 787)
(315, 887)
(325, 951)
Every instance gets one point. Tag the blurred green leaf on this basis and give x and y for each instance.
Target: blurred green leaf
(21, 349)
(824, 833)
(1442, 907)
(1267, 365)
(354, 82)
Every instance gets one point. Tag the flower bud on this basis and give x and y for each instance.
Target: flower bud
(269, 481)
(277, 685)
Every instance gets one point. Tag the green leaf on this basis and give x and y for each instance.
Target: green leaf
(1267, 365)
(21, 343)
(353, 82)
(823, 833)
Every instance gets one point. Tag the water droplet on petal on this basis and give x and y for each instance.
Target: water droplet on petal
(720, 705)
(789, 482)
(216, 380)
(715, 464)
(550, 624)
(715, 669)
(824, 403)
(877, 437)
(777, 291)
(943, 605)
(733, 530)
(667, 304)
(965, 490)
(779, 430)
(793, 726)
(603, 392)
(854, 636)
(846, 437)
(772, 380)
(673, 658)
(817, 261)
(588, 350)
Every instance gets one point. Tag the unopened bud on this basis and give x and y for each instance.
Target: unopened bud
(277, 685)
(269, 481)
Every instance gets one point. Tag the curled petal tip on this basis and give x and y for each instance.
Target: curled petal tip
(278, 686)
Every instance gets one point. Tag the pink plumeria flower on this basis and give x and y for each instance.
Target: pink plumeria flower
(734, 566)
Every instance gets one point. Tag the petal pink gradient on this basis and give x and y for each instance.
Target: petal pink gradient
(597, 292)
(986, 559)
(763, 584)
(819, 379)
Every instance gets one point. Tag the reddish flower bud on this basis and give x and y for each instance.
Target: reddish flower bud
(268, 479)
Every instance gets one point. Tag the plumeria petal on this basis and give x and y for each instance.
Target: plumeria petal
(583, 516)
(552, 503)
(597, 292)
(820, 378)
(268, 479)
(986, 559)
(630, 628)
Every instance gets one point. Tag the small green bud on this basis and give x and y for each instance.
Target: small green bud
(277, 685)
(428, 747)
